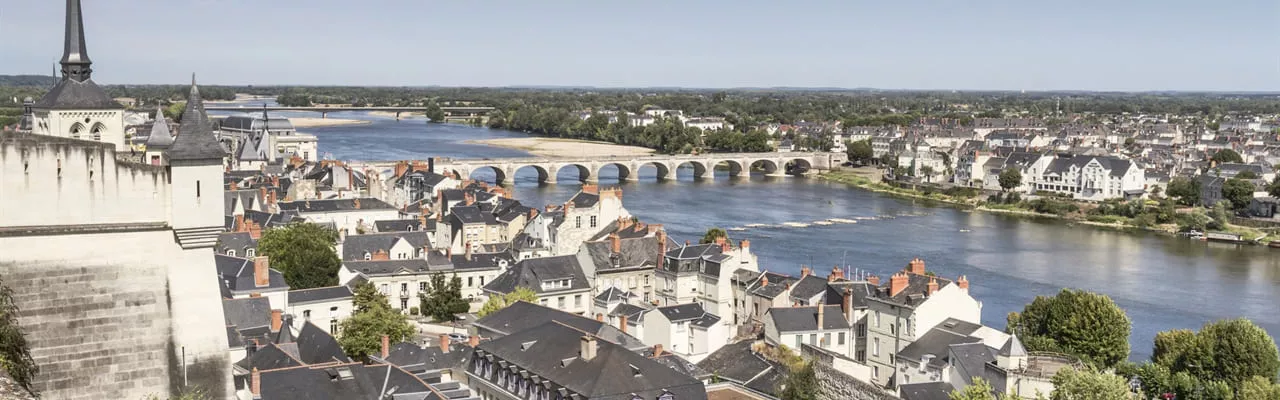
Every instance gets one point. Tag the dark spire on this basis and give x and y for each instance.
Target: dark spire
(75, 57)
(195, 139)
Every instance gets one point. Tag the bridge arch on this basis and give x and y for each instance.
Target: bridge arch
(584, 173)
(767, 166)
(662, 171)
(484, 172)
(735, 167)
(541, 174)
(701, 169)
(625, 172)
(798, 166)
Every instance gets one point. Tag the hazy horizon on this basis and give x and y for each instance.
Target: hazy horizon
(984, 45)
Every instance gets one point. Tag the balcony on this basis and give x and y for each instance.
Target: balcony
(404, 294)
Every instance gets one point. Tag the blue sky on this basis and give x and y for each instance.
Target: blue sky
(902, 44)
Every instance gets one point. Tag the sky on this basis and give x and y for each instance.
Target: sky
(1120, 45)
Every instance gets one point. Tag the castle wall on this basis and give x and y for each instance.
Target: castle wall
(54, 181)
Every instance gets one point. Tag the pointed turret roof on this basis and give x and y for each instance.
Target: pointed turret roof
(160, 136)
(1013, 348)
(249, 151)
(76, 90)
(195, 139)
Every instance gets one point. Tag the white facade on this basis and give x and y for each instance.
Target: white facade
(106, 126)
(1086, 178)
(326, 315)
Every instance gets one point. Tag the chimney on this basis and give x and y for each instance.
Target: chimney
(820, 308)
(764, 280)
(468, 251)
(444, 343)
(834, 275)
(933, 286)
(473, 341)
(261, 271)
(615, 243)
(255, 230)
(588, 351)
(724, 247)
(591, 189)
(745, 245)
(386, 346)
(262, 193)
(533, 212)
(898, 283)
(599, 317)
(431, 164)
(275, 181)
(356, 203)
(846, 305)
(351, 180)
(654, 228)
(422, 221)
(720, 240)
(401, 168)
(662, 248)
(622, 323)
(276, 320)
(232, 186)
(804, 271)
(238, 226)
(342, 235)
(874, 280)
(963, 283)
(916, 266)
(271, 201)
(657, 350)
(255, 383)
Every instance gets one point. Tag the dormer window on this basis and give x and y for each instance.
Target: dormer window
(667, 396)
(231, 252)
(368, 256)
(250, 252)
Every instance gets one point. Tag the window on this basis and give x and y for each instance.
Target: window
(367, 256)
(250, 252)
(481, 281)
(404, 304)
(383, 289)
(404, 287)
(862, 355)
(422, 286)
(875, 347)
(333, 327)
(542, 302)
(488, 370)
(826, 339)
(593, 221)
(875, 372)
(577, 221)
(840, 339)
(231, 252)
(892, 330)
(813, 339)
(577, 300)
(470, 281)
(666, 396)
(560, 302)
(197, 189)
(306, 315)
(877, 319)
(862, 330)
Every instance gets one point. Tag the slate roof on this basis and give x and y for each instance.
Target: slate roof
(245, 318)
(326, 205)
(317, 347)
(679, 364)
(859, 290)
(636, 252)
(387, 267)
(736, 362)
(1118, 167)
(365, 382)
(925, 391)
(633, 312)
(195, 139)
(801, 319)
(914, 294)
(70, 94)
(937, 340)
(777, 285)
(615, 373)
(585, 200)
(236, 275)
(404, 225)
(971, 359)
(160, 137)
(682, 312)
(417, 359)
(530, 273)
(238, 241)
(314, 295)
(354, 247)
(268, 357)
(808, 287)
(613, 294)
(524, 315)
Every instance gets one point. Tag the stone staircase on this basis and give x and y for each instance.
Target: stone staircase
(196, 238)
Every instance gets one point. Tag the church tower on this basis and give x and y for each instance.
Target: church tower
(76, 107)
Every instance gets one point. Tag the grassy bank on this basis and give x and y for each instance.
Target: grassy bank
(1054, 208)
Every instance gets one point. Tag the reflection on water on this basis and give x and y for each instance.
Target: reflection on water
(1161, 282)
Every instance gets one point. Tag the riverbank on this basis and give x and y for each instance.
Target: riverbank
(306, 122)
(869, 179)
(562, 148)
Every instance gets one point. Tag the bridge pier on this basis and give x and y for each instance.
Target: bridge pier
(324, 115)
(508, 180)
(397, 115)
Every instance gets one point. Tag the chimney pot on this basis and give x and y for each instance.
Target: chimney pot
(933, 286)
(963, 283)
(599, 317)
(261, 271)
(276, 320)
(657, 350)
(444, 343)
(898, 283)
(473, 341)
(622, 323)
(873, 280)
(255, 382)
(615, 243)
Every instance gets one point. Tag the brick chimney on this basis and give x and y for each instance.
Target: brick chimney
(916, 266)
(275, 181)
(657, 350)
(276, 320)
(533, 212)
(261, 271)
(386, 346)
(588, 350)
(963, 283)
(662, 247)
(444, 343)
(468, 251)
(804, 271)
(724, 247)
(255, 382)
(599, 317)
(898, 283)
(615, 243)
(232, 186)
(745, 245)
(654, 228)
(764, 280)
(401, 168)
(622, 323)
(380, 255)
(874, 280)
(422, 221)
(591, 189)
(238, 226)
(255, 230)
(356, 203)
(820, 308)
(933, 286)
(846, 304)
(473, 341)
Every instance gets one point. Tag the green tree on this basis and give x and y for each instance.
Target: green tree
(1185, 189)
(1010, 178)
(979, 390)
(1070, 384)
(444, 300)
(860, 151)
(713, 234)
(304, 253)
(801, 383)
(1273, 188)
(1227, 156)
(497, 302)
(434, 112)
(174, 111)
(1087, 325)
(15, 355)
(1259, 388)
(1231, 351)
(1170, 345)
(927, 171)
(361, 334)
(1239, 192)
(1247, 175)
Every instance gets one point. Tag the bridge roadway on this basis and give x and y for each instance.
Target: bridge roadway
(451, 111)
(589, 167)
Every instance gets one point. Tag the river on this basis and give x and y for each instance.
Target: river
(1161, 282)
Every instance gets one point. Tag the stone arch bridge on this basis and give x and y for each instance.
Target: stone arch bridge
(704, 165)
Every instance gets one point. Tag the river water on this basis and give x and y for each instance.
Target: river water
(1161, 282)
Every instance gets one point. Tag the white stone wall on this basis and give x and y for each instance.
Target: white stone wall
(60, 123)
(68, 182)
(197, 194)
(321, 313)
(948, 302)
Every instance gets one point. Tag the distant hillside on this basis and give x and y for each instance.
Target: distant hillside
(27, 80)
